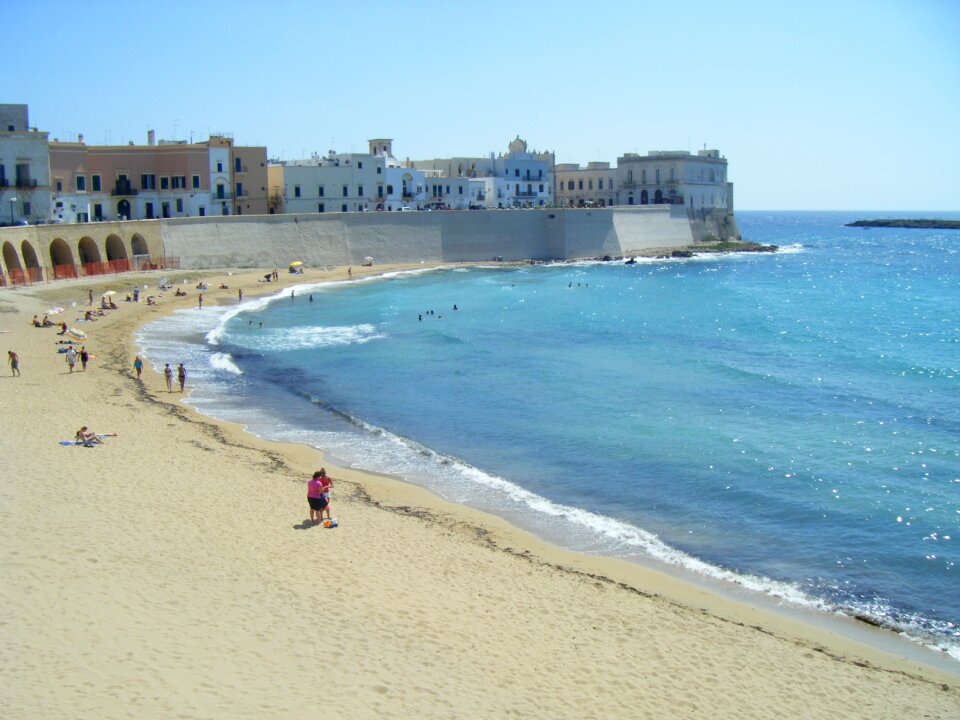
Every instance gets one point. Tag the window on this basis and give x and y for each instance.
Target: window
(296, 191)
(148, 182)
(60, 185)
(166, 209)
(541, 187)
(345, 192)
(516, 172)
(203, 211)
(379, 170)
(360, 190)
(380, 191)
(590, 185)
(320, 191)
(97, 211)
(600, 184)
(343, 208)
(320, 207)
(579, 184)
(179, 205)
(570, 185)
(460, 189)
(448, 189)
(26, 209)
(164, 182)
(237, 167)
(359, 166)
(221, 191)
(219, 167)
(196, 182)
(389, 189)
(148, 210)
(179, 182)
(239, 190)
(658, 176)
(95, 181)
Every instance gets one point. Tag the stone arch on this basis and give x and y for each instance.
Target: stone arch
(658, 197)
(88, 251)
(10, 257)
(139, 245)
(60, 253)
(30, 259)
(123, 209)
(116, 250)
(644, 197)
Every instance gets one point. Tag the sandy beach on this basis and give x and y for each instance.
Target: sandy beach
(171, 573)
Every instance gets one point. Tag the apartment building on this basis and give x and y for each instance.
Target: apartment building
(158, 180)
(592, 186)
(675, 177)
(24, 168)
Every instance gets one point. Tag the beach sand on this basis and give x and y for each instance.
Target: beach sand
(171, 573)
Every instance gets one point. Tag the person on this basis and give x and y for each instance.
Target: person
(14, 361)
(47, 322)
(168, 376)
(63, 329)
(224, 287)
(326, 485)
(90, 296)
(138, 366)
(71, 358)
(181, 376)
(36, 321)
(291, 296)
(349, 272)
(315, 497)
(200, 301)
(84, 357)
(136, 294)
(239, 294)
(88, 438)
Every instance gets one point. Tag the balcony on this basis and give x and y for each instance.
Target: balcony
(628, 184)
(26, 183)
(124, 188)
(222, 195)
(526, 193)
(407, 195)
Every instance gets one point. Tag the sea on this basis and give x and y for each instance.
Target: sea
(786, 424)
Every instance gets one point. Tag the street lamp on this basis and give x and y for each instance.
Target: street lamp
(13, 200)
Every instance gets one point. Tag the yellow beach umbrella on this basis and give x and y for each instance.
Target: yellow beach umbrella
(296, 263)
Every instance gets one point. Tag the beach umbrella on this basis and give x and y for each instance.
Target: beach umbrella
(296, 263)
(108, 293)
(78, 334)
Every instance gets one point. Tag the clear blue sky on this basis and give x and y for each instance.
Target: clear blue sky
(816, 105)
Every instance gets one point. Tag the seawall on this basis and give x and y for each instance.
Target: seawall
(49, 251)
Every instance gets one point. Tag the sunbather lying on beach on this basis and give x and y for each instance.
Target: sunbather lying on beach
(89, 438)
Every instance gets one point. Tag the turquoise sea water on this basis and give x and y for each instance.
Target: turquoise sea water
(788, 422)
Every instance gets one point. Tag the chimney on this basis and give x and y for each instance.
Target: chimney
(151, 137)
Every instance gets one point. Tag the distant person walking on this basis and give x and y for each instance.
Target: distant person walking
(138, 366)
(200, 301)
(181, 376)
(349, 272)
(71, 358)
(90, 296)
(84, 358)
(240, 295)
(168, 376)
(14, 361)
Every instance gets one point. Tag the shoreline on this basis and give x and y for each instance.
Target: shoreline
(457, 544)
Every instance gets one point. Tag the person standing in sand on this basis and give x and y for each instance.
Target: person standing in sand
(168, 376)
(315, 497)
(181, 376)
(326, 485)
(84, 358)
(14, 361)
(239, 294)
(71, 358)
(200, 301)
(138, 366)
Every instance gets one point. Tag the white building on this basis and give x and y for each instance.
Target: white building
(346, 182)
(517, 179)
(698, 182)
(24, 168)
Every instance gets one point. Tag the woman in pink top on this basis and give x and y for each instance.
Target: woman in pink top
(315, 497)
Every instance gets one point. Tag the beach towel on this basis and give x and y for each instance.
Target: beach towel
(77, 442)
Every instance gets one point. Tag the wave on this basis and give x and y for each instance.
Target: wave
(224, 361)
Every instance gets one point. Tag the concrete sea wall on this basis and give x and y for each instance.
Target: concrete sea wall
(34, 253)
(458, 236)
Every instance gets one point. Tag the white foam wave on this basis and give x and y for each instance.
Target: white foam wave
(312, 337)
(224, 361)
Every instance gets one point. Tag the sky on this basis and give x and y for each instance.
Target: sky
(816, 105)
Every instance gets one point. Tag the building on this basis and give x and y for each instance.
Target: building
(593, 186)
(346, 182)
(157, 180)
(518, 179)
(24, 168)
(698, 182)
